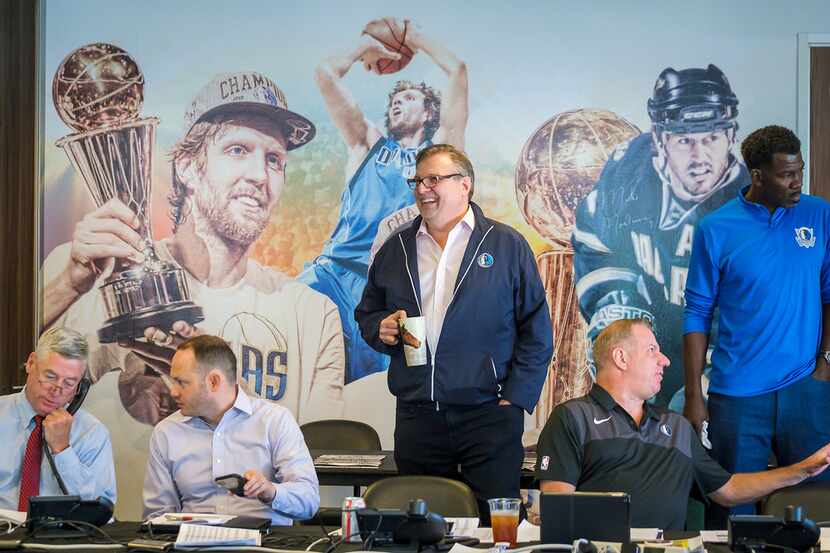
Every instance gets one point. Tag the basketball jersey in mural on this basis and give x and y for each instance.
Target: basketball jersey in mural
(377, 189)
(632, 242)
(287, 339)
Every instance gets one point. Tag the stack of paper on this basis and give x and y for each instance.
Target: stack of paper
(369, 461)
(529, 462)
(199, 535)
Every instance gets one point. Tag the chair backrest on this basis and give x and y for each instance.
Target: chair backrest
(446, 497)
(814, 497)
(340, 434)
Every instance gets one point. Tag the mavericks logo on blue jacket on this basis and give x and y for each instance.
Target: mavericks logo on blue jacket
(485, 260)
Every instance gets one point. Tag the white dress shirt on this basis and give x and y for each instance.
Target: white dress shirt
(438, 271)
(187, 454)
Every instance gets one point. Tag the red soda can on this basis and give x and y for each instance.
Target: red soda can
(348, 519)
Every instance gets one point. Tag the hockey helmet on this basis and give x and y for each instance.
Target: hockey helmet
(692, 100)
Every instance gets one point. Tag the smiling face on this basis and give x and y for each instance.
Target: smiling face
(243, 176)
(51, 381)
(407, 114)
(447, 202)
(697, 161)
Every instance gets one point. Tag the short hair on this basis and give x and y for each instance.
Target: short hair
(432, 104)
(212, 352)
(613, 335)
(64, 341)
(761, 145)
(457, 156)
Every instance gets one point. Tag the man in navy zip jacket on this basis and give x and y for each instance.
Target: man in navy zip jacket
(488, 332)
(764, 260)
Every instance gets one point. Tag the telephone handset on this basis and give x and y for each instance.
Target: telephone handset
(80, 395)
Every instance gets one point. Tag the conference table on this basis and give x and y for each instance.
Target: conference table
(296, 538)
(364, 476)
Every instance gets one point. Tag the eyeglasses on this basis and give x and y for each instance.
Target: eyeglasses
(431, 181)
(54, 382)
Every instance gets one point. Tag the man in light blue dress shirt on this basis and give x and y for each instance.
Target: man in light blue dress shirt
(220, 430)
(79, 443)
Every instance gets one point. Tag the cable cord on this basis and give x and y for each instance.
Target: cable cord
(55, 473)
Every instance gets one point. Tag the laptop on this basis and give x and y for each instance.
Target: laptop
(591, 515)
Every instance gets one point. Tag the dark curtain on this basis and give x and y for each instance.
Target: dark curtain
(18, 99)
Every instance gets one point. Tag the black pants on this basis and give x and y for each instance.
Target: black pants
(485, 441)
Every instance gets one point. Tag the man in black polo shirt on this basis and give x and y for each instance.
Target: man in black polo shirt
(613, 440)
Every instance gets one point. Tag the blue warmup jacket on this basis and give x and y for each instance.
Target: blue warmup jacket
(769, 276)
(497, 338)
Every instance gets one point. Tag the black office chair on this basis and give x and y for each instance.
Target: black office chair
(340, 434)
(814, 497)
(446, 497)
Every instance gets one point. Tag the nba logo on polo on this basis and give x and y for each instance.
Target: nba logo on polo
(805, 237)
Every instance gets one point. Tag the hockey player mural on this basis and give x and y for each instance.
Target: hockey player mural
(633, 232)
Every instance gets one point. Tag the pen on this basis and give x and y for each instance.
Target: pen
(185, 518)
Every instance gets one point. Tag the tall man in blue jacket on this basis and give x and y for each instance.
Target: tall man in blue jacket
(763, 259)
(488, 332)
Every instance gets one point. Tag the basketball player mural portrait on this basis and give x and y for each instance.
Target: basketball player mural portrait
(633, 232)
(228, 171)
(379, 162)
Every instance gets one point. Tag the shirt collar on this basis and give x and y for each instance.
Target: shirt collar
(242, 404)
(759, 211)
(24, 409)
(601, 396)
(469, 220)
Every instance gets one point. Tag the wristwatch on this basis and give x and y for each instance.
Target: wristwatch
(826, 355)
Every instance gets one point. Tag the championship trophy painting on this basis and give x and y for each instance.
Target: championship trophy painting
(558, 167)
(228, 171)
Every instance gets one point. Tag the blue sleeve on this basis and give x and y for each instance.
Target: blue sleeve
(297, 488)
(825, 266)
(533, 349)
(702, 284)
(86, 466)
(161, 495)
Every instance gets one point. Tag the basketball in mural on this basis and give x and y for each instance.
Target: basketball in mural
(392, 34)
(559, 165)
(98, 85)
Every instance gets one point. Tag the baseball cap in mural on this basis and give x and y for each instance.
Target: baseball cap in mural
(249, 92)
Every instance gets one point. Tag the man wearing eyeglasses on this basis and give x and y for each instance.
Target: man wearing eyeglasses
(36, 418)
(488, 332)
